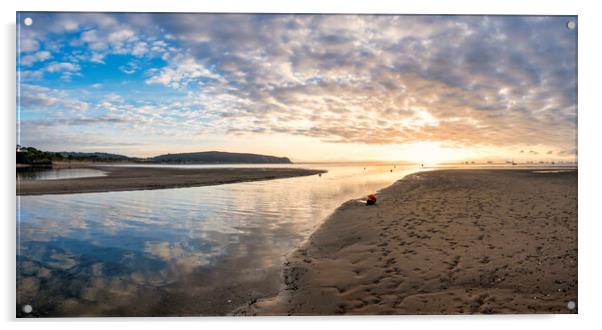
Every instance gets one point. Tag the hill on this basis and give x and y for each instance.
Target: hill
(33, 156)
(93, 156)
(217, 157)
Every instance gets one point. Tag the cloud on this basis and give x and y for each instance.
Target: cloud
(570, 152)
(32, 96)
(113, 97)
(40, 56)
(93, 40)
(78, 121)
(28, 45)
(140, 49)
(65, 70)
(130, 68)
(182, 70)
(60, 67)
(97, 58)
(57, 139)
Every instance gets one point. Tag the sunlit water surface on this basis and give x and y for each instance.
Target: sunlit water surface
(55, 174)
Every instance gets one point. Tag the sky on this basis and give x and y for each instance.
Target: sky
(309, 87)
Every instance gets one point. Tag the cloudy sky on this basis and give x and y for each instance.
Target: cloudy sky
(310, 87)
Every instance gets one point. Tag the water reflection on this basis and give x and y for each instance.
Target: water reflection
(33, 173)
(190, 251)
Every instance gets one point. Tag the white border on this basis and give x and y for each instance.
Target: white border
(589, 159)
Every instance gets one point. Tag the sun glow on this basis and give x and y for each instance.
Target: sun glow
(432, 153)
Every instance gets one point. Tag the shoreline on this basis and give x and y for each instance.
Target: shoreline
(413, 253)
(149, 178)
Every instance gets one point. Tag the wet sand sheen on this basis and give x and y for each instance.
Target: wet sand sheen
(145, 178)
(441, 242)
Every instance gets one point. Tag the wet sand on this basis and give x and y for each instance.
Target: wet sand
(144, 178)
(441, 242)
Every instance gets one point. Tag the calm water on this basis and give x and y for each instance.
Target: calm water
(189, 251)
(55, 174)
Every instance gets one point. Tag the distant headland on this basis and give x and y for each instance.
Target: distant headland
(29, 156)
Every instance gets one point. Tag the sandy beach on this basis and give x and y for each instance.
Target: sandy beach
(441, 242)
(121, 178)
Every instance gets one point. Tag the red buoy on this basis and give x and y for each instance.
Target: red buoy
(371, 200)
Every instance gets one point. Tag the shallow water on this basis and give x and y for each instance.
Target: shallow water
(188, 251)
(56, 173)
